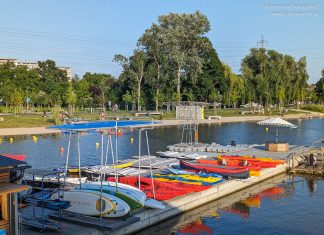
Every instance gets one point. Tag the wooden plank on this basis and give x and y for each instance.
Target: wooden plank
(4, 207)
(12, 188)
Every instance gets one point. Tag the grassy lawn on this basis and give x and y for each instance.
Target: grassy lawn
(25, 121)
(36, 120)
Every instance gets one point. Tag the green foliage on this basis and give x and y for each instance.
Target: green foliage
(313, 107)
(319, 88)
(271, 77)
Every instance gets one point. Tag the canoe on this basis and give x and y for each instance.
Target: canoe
(131, 199)
(231, 163)
(262, 164)
(86, 202)
(19, 157)
(221, 170)
(262, 160)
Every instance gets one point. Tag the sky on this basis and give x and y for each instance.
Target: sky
(86, 34)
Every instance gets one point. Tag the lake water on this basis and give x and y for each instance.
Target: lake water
(45, 152)
(284, 205)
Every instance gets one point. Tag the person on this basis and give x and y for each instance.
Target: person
(245, 163)
(118, 130)
(102, 115)
(224, 162)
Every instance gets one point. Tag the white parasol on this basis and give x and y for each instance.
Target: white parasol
(276, 122)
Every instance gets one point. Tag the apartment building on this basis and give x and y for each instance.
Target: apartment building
(34, 65)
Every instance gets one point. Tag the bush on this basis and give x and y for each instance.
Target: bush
(314, 107)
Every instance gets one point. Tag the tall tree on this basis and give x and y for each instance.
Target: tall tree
(319, 88)
(133, 67)
(182, 37)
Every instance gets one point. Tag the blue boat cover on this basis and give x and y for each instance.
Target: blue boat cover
(101, 125)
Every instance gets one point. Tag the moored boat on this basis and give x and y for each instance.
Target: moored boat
(221, 170)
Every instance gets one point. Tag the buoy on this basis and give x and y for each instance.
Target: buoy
(97, 145)
(132, 140)
(267, 129)
(62, 149)
(10, 139)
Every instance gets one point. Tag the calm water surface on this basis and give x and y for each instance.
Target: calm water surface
(45, 153)
(283, 205)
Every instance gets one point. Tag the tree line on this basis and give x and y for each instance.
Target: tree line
(174, 60)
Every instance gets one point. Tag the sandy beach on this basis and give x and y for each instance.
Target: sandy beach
(44, 130)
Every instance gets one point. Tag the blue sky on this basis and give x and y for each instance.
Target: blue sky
(85, 35)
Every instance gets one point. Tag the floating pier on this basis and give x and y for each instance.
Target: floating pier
(176, 206)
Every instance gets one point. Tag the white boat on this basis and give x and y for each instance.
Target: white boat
(137, 194)
(152, 203)
(134, 199)
(86, 202)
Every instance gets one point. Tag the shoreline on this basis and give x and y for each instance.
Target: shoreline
(5, 132)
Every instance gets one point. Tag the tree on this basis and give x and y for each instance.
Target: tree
(319, 88)
(82, 91)
(71, 99)
(16, 99)
(127, 98)
(235, 86)
(134, 68)
(152, 44)
(182, 39)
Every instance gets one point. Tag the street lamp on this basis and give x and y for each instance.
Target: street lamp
(27, 99)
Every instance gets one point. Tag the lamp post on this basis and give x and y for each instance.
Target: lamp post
(27, 99)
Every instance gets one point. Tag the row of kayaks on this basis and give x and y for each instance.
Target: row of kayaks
(131, 192)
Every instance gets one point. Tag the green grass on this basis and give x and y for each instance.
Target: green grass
(36, 120)
(314, 107)
(25, 121)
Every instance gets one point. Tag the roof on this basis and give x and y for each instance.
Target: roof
(276, 121)
(9, 162)
(101, 125)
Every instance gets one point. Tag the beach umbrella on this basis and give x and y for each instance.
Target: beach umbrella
(276, 122)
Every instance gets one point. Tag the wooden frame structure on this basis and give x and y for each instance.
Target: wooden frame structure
(8, 194)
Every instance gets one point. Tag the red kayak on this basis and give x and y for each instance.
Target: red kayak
(234, 163)
(163, 190)
(225, 171)
(19, 157)
(263, 164)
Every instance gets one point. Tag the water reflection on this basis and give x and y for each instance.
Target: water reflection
(277, 206)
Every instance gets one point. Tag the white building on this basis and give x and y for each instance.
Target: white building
(34, 65)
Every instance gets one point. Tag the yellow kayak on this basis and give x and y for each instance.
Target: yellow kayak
(255, 173)
(177, 181)
(187, 178)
